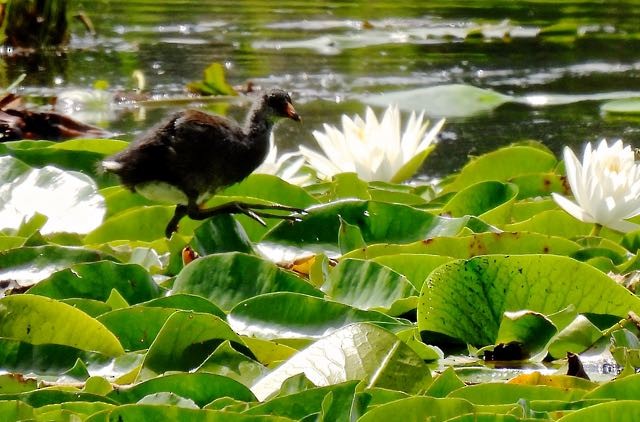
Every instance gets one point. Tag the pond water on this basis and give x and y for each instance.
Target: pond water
(330, 54)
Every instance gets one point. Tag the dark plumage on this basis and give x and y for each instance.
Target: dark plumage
(191, 155)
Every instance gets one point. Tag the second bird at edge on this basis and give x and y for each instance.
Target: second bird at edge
(191, 155)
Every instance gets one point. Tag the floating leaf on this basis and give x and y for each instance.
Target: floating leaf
(96, 280)
(530, 329)
(465, 299)
(366, 285)
(504, 164)
(40, 320)
(229, 278)
(297, 406)
(476, 244)
(454, 100)
(221, 233)
(378, 222)
(185, 340)
(214, 82)
(416, 409)
(619, 410)
(355, 352)
(28, 265)
(200, 387)
(491, 201)
(293, 315)
(622, 106)
(69, 200)
(499, 393)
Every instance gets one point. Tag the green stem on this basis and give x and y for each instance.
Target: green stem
(596, 230)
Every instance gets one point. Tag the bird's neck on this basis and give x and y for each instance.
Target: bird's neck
(258, 129)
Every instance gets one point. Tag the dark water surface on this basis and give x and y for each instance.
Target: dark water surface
(330, 53)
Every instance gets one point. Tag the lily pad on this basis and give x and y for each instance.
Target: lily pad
(40, 320)
(454, 100)
(355, 352)
(465, 299)
(366, 285)
(226, 279)
(378, 222)
(68, 199)
(504, 164)
(96, 280)
(293, 315)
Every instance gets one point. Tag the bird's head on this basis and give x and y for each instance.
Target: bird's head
(280, 104)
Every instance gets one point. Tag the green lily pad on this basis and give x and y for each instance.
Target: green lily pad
(40, 320)
(96, 280)
(366, 285)
(200, 387)
(503, 165)
(454, 100)
(28, 265)
(69, 200)
(416, 409)
(622, 106)
(476, 244)
(465, 299)
(499, 393)
(185, 340)
(491, 201)
(355, 352)
(378, 222)
(227, 279)
(293, 315)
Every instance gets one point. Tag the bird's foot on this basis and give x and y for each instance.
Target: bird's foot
(253, 211)
(172, 227)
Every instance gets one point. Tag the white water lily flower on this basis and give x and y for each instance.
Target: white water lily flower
(287, 166)
(375, 150)
(605, 185)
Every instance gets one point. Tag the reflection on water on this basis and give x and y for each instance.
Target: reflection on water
(330, 53)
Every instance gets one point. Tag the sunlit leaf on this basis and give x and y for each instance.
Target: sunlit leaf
(455, 100)
(96, 280)
(499, 393)
(491, 201)
(200, 387)
(69, 200)
(366, 285)
(504, 164)
(293, 315)
(229, 278)
(473, 245)
(416, 409)
(465, 299)
(185, 340)
(28, 265)
(40, 320)
(378, 222)
(355, 352)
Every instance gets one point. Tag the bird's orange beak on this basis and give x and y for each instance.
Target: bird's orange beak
(291, 113)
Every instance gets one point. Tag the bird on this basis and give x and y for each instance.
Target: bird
(191, 155)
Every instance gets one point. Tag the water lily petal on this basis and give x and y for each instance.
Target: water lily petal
(374, 149)
(572, 208)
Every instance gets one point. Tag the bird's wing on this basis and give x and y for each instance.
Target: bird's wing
(201, 131)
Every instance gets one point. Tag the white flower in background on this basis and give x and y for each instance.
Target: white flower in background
(287, 167)
(605, 185)
(375, 150)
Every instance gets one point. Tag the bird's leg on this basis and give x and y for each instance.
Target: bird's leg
(181, 211)
(250, 210)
